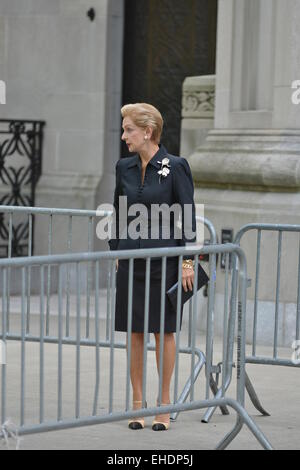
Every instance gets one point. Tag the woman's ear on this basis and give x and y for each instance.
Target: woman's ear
(149, 132)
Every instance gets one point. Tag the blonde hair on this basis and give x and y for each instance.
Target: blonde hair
(144, 115)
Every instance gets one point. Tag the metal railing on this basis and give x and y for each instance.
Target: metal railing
(65, 218)
(256, 358)
(275, 359)
(61, 342)
(56, 217)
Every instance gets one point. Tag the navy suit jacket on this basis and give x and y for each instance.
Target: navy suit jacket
(177, 187)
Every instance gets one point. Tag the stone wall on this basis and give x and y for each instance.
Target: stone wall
(61, 67)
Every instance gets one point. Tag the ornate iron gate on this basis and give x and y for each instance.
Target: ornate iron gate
(20, 168)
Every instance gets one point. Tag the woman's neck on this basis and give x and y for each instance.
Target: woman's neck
(148, 153)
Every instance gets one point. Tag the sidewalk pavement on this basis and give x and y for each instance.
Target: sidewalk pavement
(277, 387)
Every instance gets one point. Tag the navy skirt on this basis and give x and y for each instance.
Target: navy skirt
(138, 299)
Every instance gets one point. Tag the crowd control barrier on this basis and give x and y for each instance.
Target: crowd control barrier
(59, 228)
(276, 318)
(275, 358)
(43, 361)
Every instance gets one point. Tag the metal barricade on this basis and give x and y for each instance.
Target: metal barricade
(28, 214)
(105, 386)
(48, 220)
(256, 358)
(64, 218)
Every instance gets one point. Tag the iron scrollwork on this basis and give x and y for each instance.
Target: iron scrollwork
(20, 169)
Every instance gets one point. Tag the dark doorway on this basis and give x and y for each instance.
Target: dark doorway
(166, 41)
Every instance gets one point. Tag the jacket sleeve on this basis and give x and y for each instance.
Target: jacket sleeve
(114, 241)
(184, 194)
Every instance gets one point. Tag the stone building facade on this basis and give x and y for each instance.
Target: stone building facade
(240, 128)
(246, 166)
(61, 67)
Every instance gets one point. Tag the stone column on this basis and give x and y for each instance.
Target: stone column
(248, 169)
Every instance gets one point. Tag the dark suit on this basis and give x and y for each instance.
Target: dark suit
(177, 187)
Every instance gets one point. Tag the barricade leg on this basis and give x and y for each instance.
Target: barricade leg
(214, 388)
(187, 388)
(254, 398)
(210, 411)
(243, 418)
(231, 435)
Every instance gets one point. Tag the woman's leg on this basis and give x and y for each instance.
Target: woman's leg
(136, 366)
(168, 367)
(136, 374)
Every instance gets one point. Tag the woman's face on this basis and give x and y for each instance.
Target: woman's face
(134, 136)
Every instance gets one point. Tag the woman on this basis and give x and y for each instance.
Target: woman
(151, 176)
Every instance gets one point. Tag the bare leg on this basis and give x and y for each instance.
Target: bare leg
(168, 367)
(136, 374)
(136, 366)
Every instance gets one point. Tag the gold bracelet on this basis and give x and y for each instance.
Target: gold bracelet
(188, 263)
(188, 266)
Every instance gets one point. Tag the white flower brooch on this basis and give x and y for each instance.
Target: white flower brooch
(165, 168)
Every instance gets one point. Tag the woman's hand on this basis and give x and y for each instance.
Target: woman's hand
(117, 264)
(187, 278)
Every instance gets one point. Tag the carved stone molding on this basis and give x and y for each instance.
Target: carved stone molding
(198, 100)
(267, 160)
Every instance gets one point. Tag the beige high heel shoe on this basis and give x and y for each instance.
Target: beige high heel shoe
(161, 425)
(137, 423)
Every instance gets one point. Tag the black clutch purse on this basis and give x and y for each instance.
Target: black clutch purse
(185, 296)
